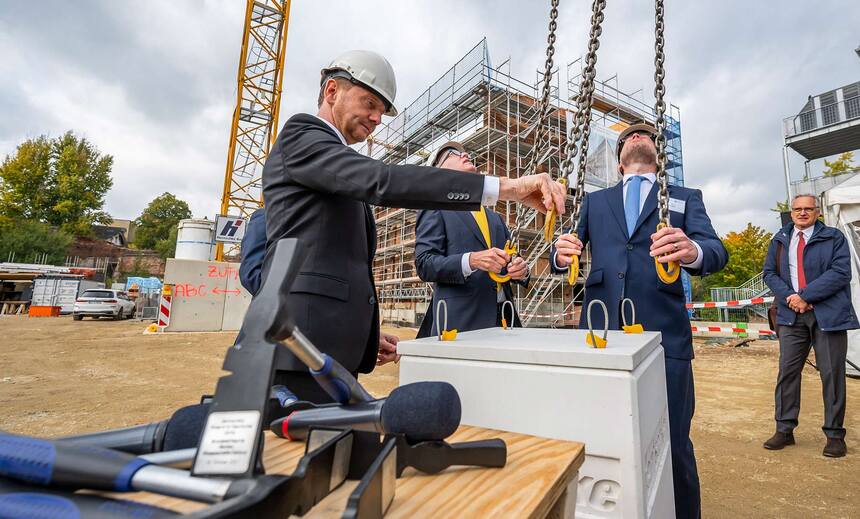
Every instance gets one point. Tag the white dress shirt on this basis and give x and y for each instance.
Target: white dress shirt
(792, 252)
(648, 181)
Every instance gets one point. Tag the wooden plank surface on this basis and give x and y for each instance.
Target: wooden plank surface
(536, 475)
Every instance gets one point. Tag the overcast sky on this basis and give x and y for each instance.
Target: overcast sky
(153, 82)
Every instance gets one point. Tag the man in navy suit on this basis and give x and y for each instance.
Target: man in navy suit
(620, 223)
(452, 252)
(253, 252)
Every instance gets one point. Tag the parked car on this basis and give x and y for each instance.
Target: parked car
(103, 302)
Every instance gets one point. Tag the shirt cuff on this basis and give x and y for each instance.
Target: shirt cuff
(554, 264)
(491, 191)
(696, 263)
(464, 265)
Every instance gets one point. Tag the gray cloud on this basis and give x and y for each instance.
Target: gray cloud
(153, 83)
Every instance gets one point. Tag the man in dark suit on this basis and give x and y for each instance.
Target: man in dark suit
(808, 267)
(316, 188)
(253, 252)
(452, 251)
(620, 224)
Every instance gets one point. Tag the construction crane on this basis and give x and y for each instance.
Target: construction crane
(258, 100)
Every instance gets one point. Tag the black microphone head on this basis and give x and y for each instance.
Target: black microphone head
(422, 411)
(185, 427)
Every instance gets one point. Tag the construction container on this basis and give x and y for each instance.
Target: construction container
(195, 240)
(60, 290)
(549, 383)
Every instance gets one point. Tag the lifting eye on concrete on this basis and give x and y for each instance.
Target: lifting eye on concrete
(591, 339)
(443, 333)
(632, 327)
(513, 315)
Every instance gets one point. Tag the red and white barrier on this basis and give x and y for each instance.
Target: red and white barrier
(164, 307)
(731, 304)
(729, 329)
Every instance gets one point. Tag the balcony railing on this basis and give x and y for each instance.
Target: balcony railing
(829, 115)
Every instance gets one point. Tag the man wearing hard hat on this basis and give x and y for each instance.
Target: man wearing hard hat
(620, 224)
(456, 250)
(316, 188)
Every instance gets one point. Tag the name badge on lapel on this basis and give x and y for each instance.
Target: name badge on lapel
(678, 206)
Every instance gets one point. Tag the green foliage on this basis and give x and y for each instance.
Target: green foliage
(747, 250)
(156, 226)
(61, 181)
(843, 164)
(30, 239)
(781, 207)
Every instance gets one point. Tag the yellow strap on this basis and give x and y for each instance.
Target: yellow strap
(484, 226)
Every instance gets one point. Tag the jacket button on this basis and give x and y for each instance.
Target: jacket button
(468, 196)
(450, 196)
(629, 246)
(620, 275)
(371, 300)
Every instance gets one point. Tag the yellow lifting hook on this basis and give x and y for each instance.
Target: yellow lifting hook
(669, 273)
(510, 250)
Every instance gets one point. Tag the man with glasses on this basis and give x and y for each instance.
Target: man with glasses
(620, 224)
(808, 268)
(456, 250)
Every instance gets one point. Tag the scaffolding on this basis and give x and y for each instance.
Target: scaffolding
(493, 114)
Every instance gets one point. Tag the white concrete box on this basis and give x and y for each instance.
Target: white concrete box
(549, 383)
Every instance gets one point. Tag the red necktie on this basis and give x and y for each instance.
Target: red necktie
(801, 275)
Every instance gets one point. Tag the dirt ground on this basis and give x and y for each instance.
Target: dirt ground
(62, 377)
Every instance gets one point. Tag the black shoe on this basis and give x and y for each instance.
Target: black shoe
(779, 440)
(835, 448)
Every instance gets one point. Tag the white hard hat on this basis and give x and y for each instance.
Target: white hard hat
(370, 70)
(434, 157)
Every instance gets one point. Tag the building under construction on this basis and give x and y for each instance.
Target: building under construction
(494, 115)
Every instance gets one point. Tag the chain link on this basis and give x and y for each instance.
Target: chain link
(581, 131)
(542, 131)
(660, 110)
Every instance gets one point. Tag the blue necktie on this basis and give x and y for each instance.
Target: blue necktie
(631, 204)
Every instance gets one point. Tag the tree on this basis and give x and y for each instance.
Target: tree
(26, 241)
(843, 164)
(61, 182)
(781, 207)
(156, 226)
(747, 250)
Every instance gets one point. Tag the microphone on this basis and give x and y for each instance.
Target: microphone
(181, 431)
(422, 411)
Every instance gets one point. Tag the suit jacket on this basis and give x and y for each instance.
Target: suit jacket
(253, 252)
(827, 265)
(318, 190)
(621, 266)
(441, 239)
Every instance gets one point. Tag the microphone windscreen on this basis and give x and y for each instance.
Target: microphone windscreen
(422, 411)
(184, 427)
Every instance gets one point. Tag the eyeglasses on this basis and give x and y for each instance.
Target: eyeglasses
(457, 153)
(799, 210)
(638, 132)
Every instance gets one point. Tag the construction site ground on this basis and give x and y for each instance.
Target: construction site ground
(61, 377)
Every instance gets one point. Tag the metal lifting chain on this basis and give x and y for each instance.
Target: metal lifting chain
(581, 130)
(542, 133)
(670, 272)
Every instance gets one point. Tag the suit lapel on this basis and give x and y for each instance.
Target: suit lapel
(649, 207)
(469, 221)
(616, 205)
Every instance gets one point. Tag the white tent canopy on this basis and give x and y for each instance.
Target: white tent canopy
(841, 207)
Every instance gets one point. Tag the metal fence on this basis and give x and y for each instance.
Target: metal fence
(828, 115)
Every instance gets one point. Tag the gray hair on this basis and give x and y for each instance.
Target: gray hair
(805, 195)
